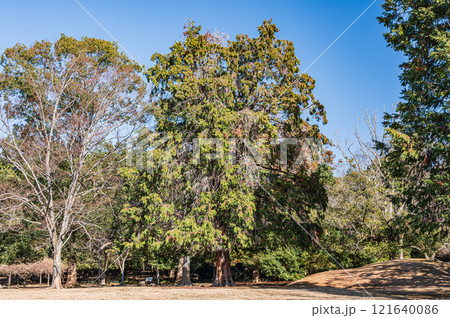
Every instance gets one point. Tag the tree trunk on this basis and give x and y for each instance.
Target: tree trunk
(9, 280)
(179, 270)
(101, 271)
(157, 276)
(185, 271)
(171, 274)
(223, 269)
(121, 262)
(400, 241)
(48, 280)
(57, 268)
(72, 275)
(40, 279)
(256, 276)
(122, 273)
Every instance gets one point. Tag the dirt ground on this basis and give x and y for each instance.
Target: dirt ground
(411, 278)
(407, 279)
(253, 293)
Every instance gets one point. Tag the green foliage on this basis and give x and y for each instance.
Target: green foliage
(360, 222)
(22, 246)
(289, 262)
(418, 153)
(143, 221)
(281, 264)
(247, 88)
(7, 173)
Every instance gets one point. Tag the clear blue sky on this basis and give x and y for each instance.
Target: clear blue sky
(356, 74)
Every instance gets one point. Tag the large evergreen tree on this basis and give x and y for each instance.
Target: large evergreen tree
(418, 153)
(217, 96)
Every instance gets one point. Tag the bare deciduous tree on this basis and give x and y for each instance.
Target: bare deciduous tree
(66, 108)
(368, 162)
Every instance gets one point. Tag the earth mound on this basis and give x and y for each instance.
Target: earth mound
(413, 277)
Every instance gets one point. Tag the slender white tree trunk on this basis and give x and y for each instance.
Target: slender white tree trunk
(57, 268)
(157, 275)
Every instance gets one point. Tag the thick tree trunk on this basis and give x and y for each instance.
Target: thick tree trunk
(9, 280)
(71, 280)
(223, 269)
(57, 268)
(72, 275)
(185, 271)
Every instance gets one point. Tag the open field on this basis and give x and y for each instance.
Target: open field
(407, 279)
(182, 293)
